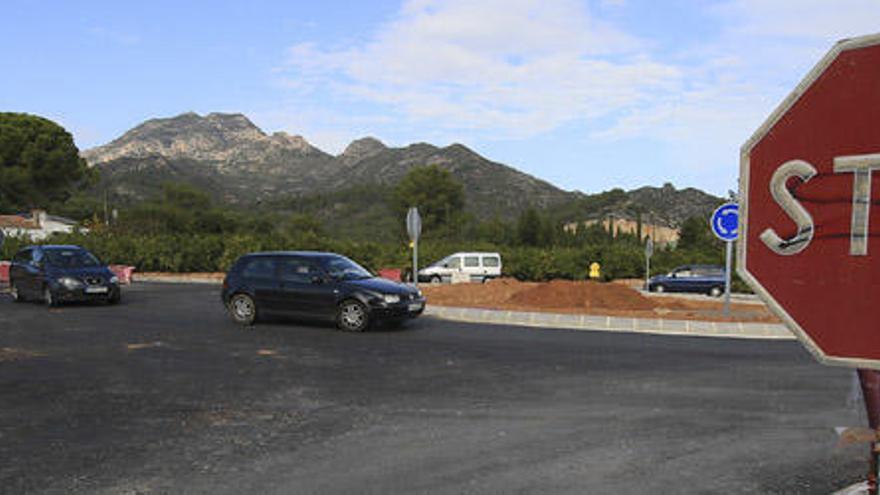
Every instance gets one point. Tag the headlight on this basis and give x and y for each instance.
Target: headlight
(70, 283)
(391, 298)
(114, 279)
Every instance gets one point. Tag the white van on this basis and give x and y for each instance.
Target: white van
(479, 267)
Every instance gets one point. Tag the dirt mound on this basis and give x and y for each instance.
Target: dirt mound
(587, 295)
(475, 295)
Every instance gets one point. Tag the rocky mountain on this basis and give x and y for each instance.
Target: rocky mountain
(229, 156)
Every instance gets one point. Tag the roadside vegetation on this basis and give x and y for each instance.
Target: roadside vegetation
(183, 229)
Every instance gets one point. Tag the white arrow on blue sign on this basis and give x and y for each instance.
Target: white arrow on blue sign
(725, 222)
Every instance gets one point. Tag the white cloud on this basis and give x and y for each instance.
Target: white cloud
(493, 69)
(514, 67)
(731, 83)
(819, 19)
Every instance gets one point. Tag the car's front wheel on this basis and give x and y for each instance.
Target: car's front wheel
(13, 291)
(716, 291)
(352, 316)
(436, 280)
(659, 288)
(243, 309)
(49, 297)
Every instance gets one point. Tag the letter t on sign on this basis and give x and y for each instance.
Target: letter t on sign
(861, 166)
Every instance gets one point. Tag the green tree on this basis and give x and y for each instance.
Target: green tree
(438, 195)
(39, 163)
(695, 235)
(529, 228)
(186, 196)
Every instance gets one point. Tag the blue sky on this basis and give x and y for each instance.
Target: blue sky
(588, 95)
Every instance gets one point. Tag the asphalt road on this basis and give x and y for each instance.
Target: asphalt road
(163, 395)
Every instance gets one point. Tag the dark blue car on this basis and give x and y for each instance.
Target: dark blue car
(315, 285)
(56, 274)
(706, 279)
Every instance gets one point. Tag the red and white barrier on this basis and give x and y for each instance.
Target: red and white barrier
(123, 273)
(4, 272)
(390, 274)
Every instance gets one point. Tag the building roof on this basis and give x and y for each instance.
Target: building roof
(30, 222)
(17, 222)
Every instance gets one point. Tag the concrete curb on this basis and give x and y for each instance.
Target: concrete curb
(857, 489)
(614, 323)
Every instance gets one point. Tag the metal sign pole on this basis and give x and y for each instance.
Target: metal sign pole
(870, 381)
(727, 264)
(414, 229)
(415, 268)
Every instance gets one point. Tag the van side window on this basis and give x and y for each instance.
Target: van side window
(259, 268)
(471, 261)
(454, 262)
(491, 261)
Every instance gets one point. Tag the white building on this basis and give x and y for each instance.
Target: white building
(38, 226)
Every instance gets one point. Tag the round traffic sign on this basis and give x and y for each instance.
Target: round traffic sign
(725, 222)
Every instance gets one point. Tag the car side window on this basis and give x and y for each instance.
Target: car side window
(22, 257)
(259, 268)
(37, 257)
(471, 261)
(454, 262)
(491, 261)
(299, 270)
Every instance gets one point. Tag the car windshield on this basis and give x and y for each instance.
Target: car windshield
(440, 262)
(342, 268)
(70, 258)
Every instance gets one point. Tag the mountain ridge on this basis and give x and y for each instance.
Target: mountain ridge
(239, 163)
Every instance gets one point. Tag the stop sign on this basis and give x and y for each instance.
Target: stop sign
(809, 223)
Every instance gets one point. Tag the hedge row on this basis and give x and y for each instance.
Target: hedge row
(216, 252)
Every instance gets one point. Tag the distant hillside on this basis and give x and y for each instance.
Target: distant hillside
(227, 155)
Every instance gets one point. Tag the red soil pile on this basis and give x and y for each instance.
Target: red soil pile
(562, 294)
(587, 297)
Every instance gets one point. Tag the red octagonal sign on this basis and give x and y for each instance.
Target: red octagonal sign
(809, 224)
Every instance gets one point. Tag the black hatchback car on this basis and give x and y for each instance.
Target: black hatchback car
(56, 274)
(315, 285)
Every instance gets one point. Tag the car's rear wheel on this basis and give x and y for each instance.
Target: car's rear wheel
(436, 280)
(659, 288)
(716, 291)
(243, 309)
(352, 316)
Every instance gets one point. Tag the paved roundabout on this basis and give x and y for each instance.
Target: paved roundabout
(163, 394)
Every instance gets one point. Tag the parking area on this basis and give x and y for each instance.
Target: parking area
(162, 394)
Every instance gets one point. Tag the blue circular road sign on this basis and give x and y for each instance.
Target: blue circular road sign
(725, 222)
